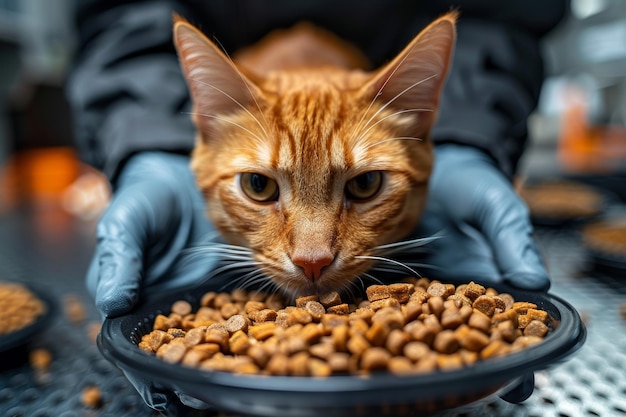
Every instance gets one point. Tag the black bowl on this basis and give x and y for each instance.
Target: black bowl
(17, 339)
(377, 394)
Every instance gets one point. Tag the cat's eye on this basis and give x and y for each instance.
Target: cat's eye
(364, 186)
(258, 187)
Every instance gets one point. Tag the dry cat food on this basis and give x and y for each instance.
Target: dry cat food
(407, 327)
(606, 237)
(561, 199)
(19, 307)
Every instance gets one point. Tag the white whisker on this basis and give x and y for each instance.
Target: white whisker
(390, 261)
(392, 139)
(245, 82)
(244, 108)
(254, 135)
(384, 106)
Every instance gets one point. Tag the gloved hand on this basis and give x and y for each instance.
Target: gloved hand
(484, 226)
(156, 213)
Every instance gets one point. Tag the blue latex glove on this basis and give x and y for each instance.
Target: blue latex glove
(485, 227)
(156, 213)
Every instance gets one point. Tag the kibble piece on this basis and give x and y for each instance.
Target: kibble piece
(340, 335)
(416, 350)
(473, 291)
(426, 364)
(357, 344)
(375, 358)
(420, 332)
(330, 299)
(160, 322)
(217, 333)
(435, 305)
(40, 359)
(193, 357)
(74, 308)
(298, 364)
(299, 315)
(449, 362)
(400, 365)
(338, 309)
(239, 343)
(471, 339)
(480, 321)
(536, 328)
(221, 299)
(91, 397)
(339, 362)
(171, 352)
(451, 318)
(156, 338)
(377, 292)
(535, 314)
(265, 314)
(262, 330)
(385, 303)
(195, 336)
(377, 333)
(208, 298)
(437, 289)
(485, 304)
(315, 309)
(174, 332)
(521, 307)
(401, 291)
(445, 342)
(505, 316)
(237, 323)
(302, 301)
(311, 333)
(181, 307)
(390, 317)
(322, 350)
(319, 368)
(396, 341)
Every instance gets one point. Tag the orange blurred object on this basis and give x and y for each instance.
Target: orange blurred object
(38, 175)
(586, 148)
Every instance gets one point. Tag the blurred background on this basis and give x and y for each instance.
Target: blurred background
(579, 128)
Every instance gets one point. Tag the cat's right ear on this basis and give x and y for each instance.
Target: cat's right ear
(217, 86)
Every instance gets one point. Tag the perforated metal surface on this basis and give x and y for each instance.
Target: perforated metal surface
(592, 383)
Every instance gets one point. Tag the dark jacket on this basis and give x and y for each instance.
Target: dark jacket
(128, 94)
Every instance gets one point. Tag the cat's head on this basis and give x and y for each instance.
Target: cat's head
(313, 169)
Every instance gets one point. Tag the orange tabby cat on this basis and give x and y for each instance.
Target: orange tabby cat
(311, 167)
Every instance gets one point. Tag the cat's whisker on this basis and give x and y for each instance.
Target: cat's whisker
(392, 139)
(223, 119)
(405, 245)
(234, 100)
(378, 94)
(394, 114)
(389, 261)
(247, 84)
(394, 98)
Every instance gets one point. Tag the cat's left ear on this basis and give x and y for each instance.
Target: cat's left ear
(415, 77)
(217, 86)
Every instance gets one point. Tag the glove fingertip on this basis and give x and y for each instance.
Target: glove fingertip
(527, 281)
(115, 305)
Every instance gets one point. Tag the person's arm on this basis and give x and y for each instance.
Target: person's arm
(496, 76)
(126, 89)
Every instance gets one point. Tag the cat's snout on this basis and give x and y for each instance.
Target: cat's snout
(312, 262)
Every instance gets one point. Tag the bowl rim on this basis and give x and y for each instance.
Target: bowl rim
(116, 344)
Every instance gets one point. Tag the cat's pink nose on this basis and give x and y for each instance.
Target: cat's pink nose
(312, 263)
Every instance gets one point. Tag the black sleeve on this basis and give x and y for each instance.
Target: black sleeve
(496, 78)
(126, 89)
